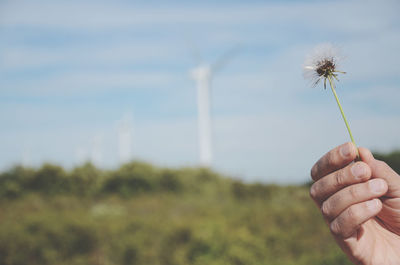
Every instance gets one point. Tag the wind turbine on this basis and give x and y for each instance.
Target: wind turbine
(81, 155)
(125, 129)
(96, 155)
(26, 157)
(202, 74)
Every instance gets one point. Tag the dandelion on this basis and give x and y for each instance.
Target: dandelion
(322, 64)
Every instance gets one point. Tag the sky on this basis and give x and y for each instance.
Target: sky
(71, 71)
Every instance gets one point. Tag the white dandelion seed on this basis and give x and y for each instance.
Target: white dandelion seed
(322, 64)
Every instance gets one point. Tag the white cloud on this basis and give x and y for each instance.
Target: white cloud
(373, 56)
(102, 15)
(76, 83)
(81, 56)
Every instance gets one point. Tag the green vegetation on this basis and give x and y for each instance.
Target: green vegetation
(393, 159)
(141, 214)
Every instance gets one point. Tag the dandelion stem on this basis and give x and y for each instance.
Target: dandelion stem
(344, 116)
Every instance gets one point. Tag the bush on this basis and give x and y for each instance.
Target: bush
(13, 182)
(85, 180)
(140, 214)
(243, 191)
(169, 181)
(49, 179)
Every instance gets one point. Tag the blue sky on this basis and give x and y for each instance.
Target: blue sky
(70, 70)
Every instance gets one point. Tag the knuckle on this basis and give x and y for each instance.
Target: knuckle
(340, 179)
(313, 191)
(326, 209)
(335, 227)
(354, 192)
(313, 172)
(351, 215)
(331, 159)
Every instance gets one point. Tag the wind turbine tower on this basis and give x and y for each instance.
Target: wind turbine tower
(202, 75)
(96, 156)
(125, 139)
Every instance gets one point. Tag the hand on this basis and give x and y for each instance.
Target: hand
(360, 201)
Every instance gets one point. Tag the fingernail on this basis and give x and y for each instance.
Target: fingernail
(377, 185)
(372, 205)
(358, 170)
(345, 150)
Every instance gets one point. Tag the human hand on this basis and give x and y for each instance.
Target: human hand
(361, 203)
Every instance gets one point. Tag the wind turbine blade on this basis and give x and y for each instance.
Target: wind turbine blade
(224, 59)
(193, 50)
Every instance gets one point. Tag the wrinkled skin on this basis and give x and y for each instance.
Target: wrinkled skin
(360, 202)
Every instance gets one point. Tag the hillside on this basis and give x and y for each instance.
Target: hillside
(141, 214)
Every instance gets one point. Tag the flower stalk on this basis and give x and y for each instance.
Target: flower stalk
(342, 112)
(322, 65)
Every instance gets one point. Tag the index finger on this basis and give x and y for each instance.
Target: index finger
(335, 159)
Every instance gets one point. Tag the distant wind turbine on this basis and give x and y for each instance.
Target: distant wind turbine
(81, 155)
(26, 157)
(125, 129)
(96, 156)
(202, 75)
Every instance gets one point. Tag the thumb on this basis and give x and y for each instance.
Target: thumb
(380, 169)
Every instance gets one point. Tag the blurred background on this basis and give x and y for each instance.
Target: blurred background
(72, 71)
(194, 88)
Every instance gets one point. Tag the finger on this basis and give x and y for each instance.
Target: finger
(349, 221)
(380, 169)
(335, 159)
(332, 183)
(353, 194)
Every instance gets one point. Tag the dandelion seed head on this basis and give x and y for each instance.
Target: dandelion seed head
(322, 63)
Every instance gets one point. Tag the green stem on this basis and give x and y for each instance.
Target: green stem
(344, 116)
